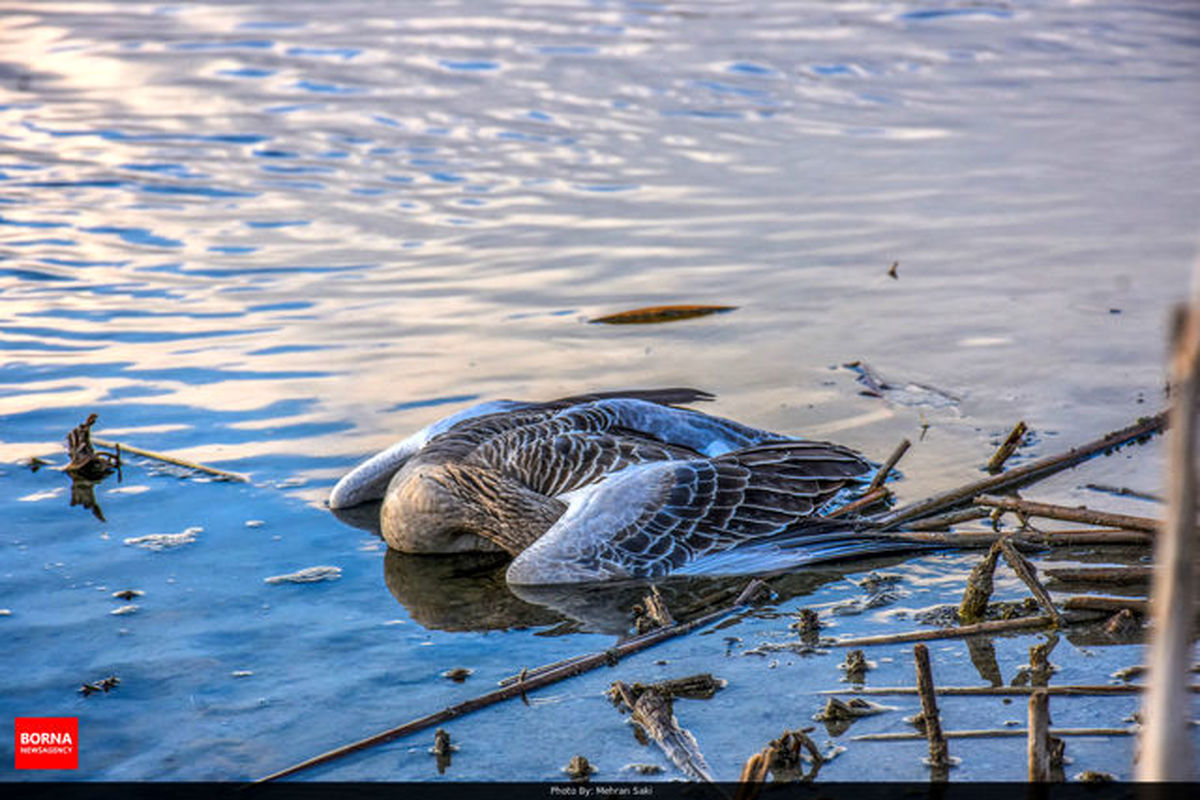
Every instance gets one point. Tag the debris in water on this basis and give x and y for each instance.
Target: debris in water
(129, 608)
(307, 575)
(102, 685)
(241, 673)
(579, 769)
(643, 769)
(654, 314)
(165, 541)
(458, 674)
(86, 461)
(442, 748)
(908, 394)
(856, 666)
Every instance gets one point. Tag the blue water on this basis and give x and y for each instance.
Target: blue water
(276, 238)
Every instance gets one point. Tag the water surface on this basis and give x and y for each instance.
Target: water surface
(276, 238)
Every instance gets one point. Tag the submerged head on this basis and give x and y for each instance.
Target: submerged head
(427, 509)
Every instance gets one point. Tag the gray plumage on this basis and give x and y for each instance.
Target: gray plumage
(597, 487)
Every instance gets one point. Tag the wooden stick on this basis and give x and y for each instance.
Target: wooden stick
(1028, 574)
(1003, 691)
(1109, 605)
(1024, 538)
(1120, 576)
(979, 588)
(889, 465)
(995, 626)
(547, 677)
(179, 462)
(995, 733)
(996, 462)
(939, 753)
(1085, 515)
(1167, 750)
(1039, 737)
(1124, 491)
(866, 501)
(1018, 476)
(940, 522)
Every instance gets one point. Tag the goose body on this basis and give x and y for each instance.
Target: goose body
(598, 487)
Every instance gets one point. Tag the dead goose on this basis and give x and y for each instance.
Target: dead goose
(602, 487)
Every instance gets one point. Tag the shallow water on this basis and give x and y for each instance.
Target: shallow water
(276, 239)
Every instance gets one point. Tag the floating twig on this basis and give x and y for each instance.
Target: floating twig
(882, 475)
(1029, 539)
(1019, 476)
(994, 626)
(655, 314)
(1028, 574)
(941, 522)
(1087, 516)
(518, 688)
(1124, 491)
(939, 753)
(996, 462)
(1004, 691)
(993, 733)
(871, 498)
(1120, 576)
(1109, 605)
(178, 462)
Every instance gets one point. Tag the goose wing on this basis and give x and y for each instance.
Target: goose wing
(646, 521)
(476, 424)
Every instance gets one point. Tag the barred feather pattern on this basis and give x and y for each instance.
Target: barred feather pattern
(647, 521)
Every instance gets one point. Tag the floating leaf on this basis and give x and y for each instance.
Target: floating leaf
(655, 314)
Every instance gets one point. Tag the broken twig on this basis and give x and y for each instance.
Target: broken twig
(1028, 574)
(1018, 476)
(882, 475)
(996, 462)
(1087, 516)
(178, 462)
(939, 754)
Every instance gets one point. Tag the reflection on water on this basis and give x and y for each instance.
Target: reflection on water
(469, 593)
(277, 238)
(460, 593)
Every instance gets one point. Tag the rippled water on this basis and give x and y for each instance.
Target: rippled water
(276, 237)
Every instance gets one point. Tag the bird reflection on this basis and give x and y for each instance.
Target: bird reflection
(471, 594)
(468, 591)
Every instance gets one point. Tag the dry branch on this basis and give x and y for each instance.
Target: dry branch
(996, 462)
(1120, 576)
(995, 626)
(992, 733)
(1004, 691)
(939, 754)
(1026, 572)
(1087, 516)
(178, 462)
(889, 465)
(1019, 476)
